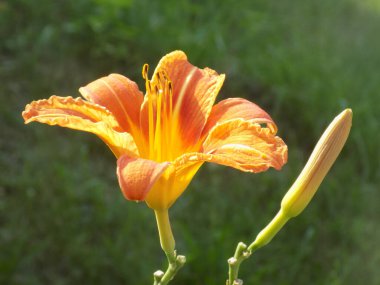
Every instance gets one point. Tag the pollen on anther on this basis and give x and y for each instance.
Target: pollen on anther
(145, 70)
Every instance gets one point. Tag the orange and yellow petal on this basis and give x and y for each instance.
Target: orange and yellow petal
(238, 108)
(243, 145)
(120, 96)
(137, 176)
(81, 115)
(194, 93)
(171, 185)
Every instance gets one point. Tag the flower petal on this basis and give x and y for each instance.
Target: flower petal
(137, 176)
(172, 183)
(242, 145)
(80, 115)
(120, 96)
(235, 108)
(194, 93)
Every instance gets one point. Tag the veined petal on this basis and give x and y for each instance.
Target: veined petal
(80, 115)
(172, 183)
(137, 176)
(238, 108)
(244, 145)
(194, 93)
(120, 96)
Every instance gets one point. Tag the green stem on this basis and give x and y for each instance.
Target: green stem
(242, 252)
(165, 231)
(267, 234)
(168, 245)
(175, 263)
(234, 262)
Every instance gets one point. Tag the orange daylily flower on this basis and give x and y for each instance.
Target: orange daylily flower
(161, 139)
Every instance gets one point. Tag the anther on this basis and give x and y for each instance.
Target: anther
(158, 76)
(145, 70)
(170, 86)
(157, 90)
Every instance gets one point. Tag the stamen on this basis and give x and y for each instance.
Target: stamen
(158, 79)
(151, 126)
(165, 126)
(170, 87)
(145, 71)
(150, 107)
(157, 138)
(173, 119)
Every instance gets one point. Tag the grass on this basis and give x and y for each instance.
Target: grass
(62, 217)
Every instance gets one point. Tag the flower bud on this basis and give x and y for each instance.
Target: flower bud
(322, 158)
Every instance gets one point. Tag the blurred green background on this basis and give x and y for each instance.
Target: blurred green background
(62, 217)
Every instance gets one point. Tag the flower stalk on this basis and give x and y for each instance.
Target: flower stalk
(168, 246)
(301, 192)
(268, 233)
(241, 254)
(165, 231)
